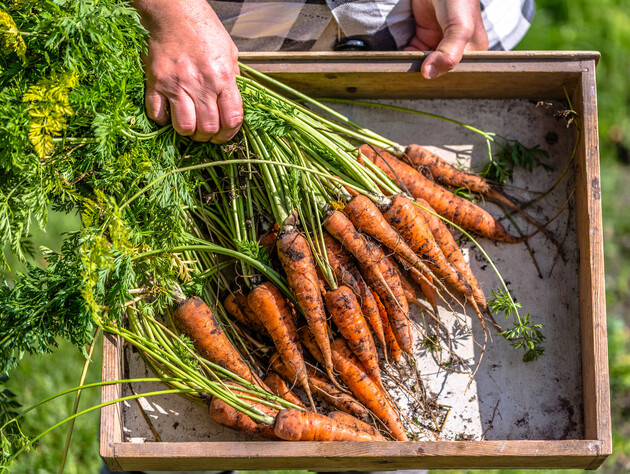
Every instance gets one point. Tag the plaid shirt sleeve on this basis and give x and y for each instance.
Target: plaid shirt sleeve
(385, 25)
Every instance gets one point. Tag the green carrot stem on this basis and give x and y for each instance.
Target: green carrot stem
(267, 419)
(77, 399)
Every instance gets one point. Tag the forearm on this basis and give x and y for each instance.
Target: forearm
(160, 16)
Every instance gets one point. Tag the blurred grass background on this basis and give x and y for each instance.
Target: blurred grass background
(559, 24)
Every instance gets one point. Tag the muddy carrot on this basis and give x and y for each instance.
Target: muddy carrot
(346, 313)
(320, 387)
(348, 274)
(365, 389)
(393, 349)
(408, 289)
(230, 417)
(405, 217)
(343, 417)
(298, 264)
(428, 290)
(376, 272)
(273, 310)
(367, 218)
(445, 173)
(393, 298)
(454, 208)
(451, 250)
(278, 387)
(193, 317)
(299, 425)
(236, 306)
(353, 374)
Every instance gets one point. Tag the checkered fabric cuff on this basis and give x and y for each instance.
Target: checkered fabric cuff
(387, 25)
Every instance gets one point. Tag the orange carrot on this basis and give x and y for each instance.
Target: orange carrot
(445, 173)
(352, 373)
(367, 218)
(393, 349)
(451, 250)
(409, 290)
(405, 217)
(298, 264)
(326, 391)
(231, 306)
(273, 310)
(236, 306)
(343, 417)
(367, 392)
(392, 297)
(299, 425)
(226, 415)
(230, 417)
(254, 321)
(428, 290)
(268, 241)
(346, 313)
(194, 318)
(376, 272)
(348, 274)
(454, 208)
(278, 387)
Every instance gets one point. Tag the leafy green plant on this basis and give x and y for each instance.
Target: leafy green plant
(524, 334)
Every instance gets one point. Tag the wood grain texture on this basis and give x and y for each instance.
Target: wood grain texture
(597, 423)
(331, 456)
(111, 416)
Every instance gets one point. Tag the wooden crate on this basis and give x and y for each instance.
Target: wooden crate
(537, 76)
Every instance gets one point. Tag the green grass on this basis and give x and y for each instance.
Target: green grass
(559, 24)
(39, 377)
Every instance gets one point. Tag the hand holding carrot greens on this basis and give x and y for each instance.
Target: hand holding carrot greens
(191, 64)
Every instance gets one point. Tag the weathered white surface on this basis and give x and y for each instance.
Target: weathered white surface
(508, 399)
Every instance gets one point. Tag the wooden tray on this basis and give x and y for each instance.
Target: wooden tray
(569, 426)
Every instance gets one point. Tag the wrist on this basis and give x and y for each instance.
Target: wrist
(163, 16)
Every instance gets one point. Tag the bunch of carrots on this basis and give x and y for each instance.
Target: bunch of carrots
(327, 233)
(338, 229)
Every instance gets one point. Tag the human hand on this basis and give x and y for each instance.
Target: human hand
(449, 27)
(190, 67)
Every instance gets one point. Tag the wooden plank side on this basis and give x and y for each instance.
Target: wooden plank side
(504, 56)
(367, 75)
(411, 85)
(363, 456)
(111, 432)
(592, 292)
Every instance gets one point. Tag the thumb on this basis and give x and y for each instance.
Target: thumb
(448, 53)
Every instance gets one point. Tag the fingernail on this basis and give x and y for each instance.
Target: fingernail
(431, 72)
